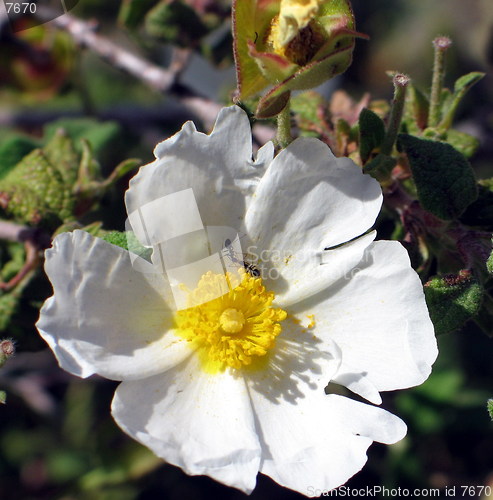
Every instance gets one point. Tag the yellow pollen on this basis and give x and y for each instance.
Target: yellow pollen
(232, 320)
(232, 330)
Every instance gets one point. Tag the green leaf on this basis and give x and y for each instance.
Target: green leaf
(452, 300)
(489, 406)
(175, 22)
(462, 142)
(461, 87)
(380, 166)
(444, 178)
(34, 191)
(132, 12)
(13, 150)
(420, 106)
(307, 106)
(371, 133)
(489, 262)
(101, 135)
(128, 241)
(480, 212)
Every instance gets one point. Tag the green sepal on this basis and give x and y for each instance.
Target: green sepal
(444, 179)
(371, 134)
(461, 87)
(452, 300)
(259, 65)
(272, 104)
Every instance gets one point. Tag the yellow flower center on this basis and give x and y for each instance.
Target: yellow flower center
(232, 330)
(294, 33)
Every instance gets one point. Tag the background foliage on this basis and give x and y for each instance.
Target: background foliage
(61, 104)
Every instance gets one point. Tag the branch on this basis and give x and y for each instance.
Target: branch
(159, 79)
(34, 241)
(83, 32)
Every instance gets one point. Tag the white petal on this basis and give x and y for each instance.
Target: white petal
(310, 439)
(294, 279)
(105, 317)
(378, 318)
(201, 423)
(218, 167)
(309, 200)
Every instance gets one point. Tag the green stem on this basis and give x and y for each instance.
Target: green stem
(441, 44)
(400, 86)
(284, 136)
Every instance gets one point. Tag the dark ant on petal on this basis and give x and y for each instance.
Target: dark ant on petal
(250, 268)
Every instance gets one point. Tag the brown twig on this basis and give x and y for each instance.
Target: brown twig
(159, 79)
(83, 33)
(34, 241)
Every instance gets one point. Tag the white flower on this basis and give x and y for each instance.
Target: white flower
(199, 391)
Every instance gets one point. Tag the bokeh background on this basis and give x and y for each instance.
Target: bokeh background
(57, 438)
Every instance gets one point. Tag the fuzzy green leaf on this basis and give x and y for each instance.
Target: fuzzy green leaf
(128, 241)
(371, 133)
(444, 178)
(462, 142)
(461, 87)
(420, 105)
(13, 150)
(489, 262)
(34, 191)
(380, 166)
(480, 212)
(452, 300)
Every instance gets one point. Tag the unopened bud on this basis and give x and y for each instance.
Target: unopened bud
(7, 350)
(401, 80)
(442, 43)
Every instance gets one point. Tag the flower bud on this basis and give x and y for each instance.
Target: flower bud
(290, 44)
(7, 350)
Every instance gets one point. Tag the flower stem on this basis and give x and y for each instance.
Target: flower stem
(284, 136)
(441, 44)
(400, 86)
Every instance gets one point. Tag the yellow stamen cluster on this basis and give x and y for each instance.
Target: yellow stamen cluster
(231, 330)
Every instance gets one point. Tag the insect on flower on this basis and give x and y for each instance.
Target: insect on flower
(232, 255)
